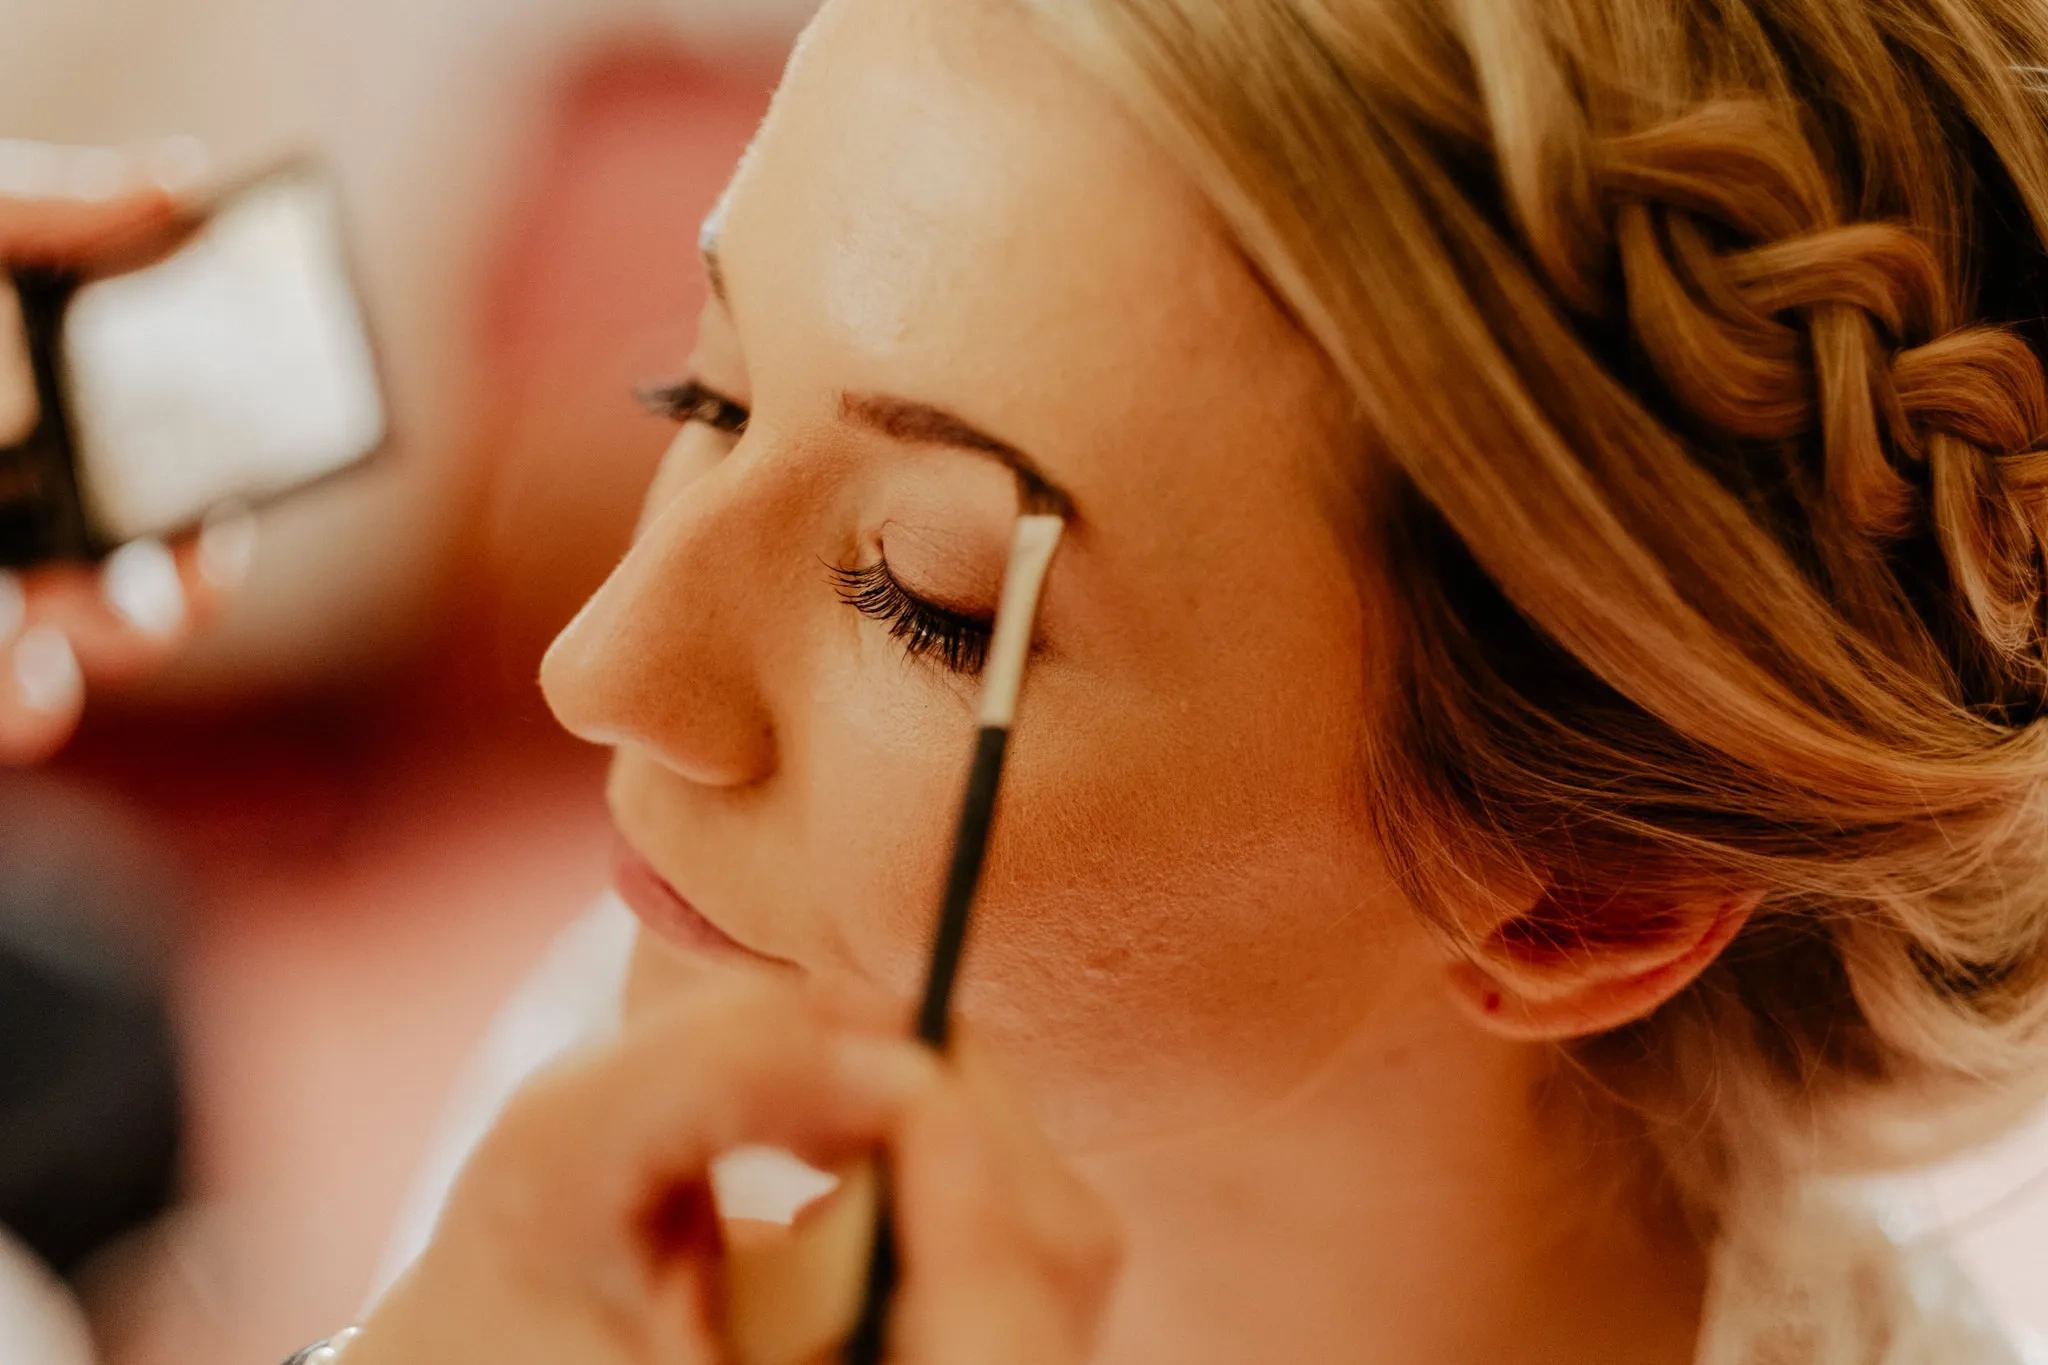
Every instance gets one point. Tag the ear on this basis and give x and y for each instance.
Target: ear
(1574, 964)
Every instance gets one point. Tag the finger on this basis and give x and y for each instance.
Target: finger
(42, 692)
(1067, 1218)
(1006, 1257)
(745, 1061)
(129, 613)
(857, 1006)
(63, 231)
(123, 616)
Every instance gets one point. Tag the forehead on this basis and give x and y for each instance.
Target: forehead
(941, 196)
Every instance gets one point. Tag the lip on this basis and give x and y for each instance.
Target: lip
(670, 916)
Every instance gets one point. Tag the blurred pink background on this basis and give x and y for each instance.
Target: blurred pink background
(374, 823)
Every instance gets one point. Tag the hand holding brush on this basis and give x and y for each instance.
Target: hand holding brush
(584, 1228)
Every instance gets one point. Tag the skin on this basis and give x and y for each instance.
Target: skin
(580, 1228)
(1318, 1127)
(756, 714)
(68, 598)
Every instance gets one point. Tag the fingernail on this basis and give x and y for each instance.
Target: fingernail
(227, 546)
(176, 163)
(13, 604)
(140, 582)
(30, 170)
(883, 1068)
(46, 671)
(97, 174)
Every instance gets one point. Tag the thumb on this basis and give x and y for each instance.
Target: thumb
(1002, 1264)
(52, 231)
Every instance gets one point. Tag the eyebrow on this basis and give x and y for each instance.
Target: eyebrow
(915, 423)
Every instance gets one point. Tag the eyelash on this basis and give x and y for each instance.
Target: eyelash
(926, 630)
(690, 401)
(954, 641)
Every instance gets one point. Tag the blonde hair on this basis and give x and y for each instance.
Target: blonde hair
(1699, 341)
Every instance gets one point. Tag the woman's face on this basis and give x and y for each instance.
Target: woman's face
(949, 253)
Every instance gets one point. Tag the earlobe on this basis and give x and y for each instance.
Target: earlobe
(1547, 976)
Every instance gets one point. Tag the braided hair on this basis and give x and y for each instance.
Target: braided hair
(1700, 347)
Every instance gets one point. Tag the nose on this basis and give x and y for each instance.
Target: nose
(666, 655)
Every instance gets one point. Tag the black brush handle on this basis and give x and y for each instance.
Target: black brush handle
(934, 1017)
(870, 1331)
(970, 845)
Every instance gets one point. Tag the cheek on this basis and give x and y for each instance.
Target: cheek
(873, 776)
(1167, 940)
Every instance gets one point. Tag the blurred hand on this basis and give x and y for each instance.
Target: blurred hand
(65, 628)
(584, 1230)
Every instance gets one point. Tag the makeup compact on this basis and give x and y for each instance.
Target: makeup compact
(235, 365)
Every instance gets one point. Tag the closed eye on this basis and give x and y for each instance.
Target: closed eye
(954, 640)
(694, 401)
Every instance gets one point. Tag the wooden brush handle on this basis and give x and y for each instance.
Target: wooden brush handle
(793, 1299)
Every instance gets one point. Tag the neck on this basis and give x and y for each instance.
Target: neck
(1411, 1203)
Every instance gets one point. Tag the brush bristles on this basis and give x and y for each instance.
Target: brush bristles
(1031, 550)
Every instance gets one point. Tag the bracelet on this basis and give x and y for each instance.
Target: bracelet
(325, 1352)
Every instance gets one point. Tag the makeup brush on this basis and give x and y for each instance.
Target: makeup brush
(783, 1303)
(1031, 550)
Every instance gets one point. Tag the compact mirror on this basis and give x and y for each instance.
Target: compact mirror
(234, 369)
